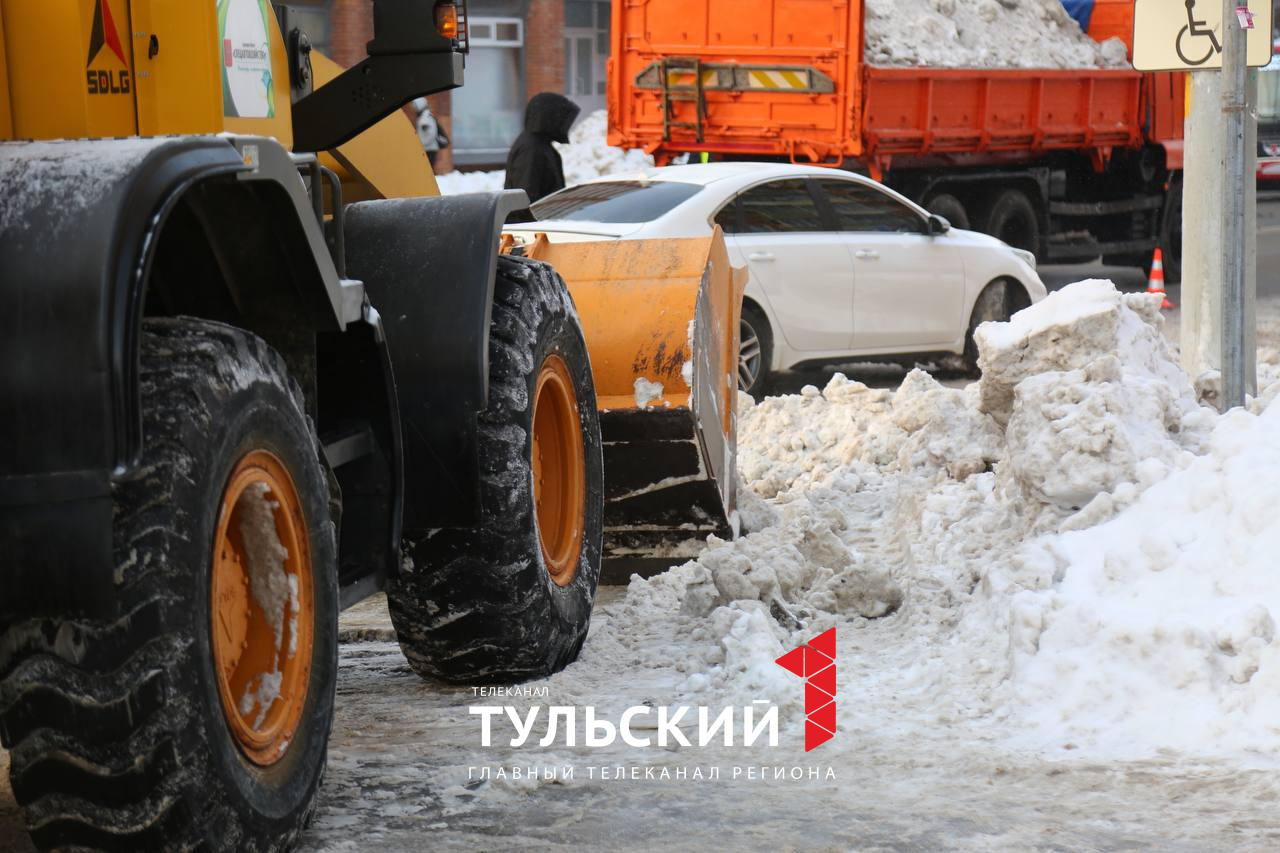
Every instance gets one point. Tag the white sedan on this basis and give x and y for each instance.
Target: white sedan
(841, 267)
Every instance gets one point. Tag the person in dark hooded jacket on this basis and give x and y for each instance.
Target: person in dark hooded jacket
(533, 164)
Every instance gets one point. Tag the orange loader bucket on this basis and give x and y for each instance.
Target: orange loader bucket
(661, 323)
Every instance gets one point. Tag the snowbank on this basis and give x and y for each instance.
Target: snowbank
(457, 183)
(1070, 552)
(1157, 628)
(589, 156)
(983, 34)
(586, 156)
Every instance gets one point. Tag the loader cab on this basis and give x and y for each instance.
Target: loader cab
(145, 67)
(112, 68)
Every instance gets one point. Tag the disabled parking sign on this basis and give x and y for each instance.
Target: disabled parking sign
(1186, 35)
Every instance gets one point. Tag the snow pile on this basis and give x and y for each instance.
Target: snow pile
(1090, 392)
(587, 156)
(1071, 548)
(1158, 627)
(983, 34)
(458, 183)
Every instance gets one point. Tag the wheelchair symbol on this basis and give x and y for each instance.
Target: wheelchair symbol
(1195, 32)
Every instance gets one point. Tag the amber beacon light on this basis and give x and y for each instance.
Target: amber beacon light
(447, 20)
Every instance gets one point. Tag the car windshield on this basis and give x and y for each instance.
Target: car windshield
(615, 201)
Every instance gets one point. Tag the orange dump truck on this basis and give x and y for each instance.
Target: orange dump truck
(1070, 164)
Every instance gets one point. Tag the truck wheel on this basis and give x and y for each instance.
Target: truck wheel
(755, 351)
(950, 208)
(1171, 236)
(1012, 218)
(511, 598)
(196, 711)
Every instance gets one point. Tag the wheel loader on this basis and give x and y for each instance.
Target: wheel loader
(254, 369)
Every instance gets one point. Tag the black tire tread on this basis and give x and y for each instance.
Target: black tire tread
(101, 757)
(450, 627)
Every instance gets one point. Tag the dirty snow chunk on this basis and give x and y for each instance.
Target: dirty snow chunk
(944, 429)
(1088, 388)
(1070, 329)
(796, 568)
(647, 392)
(686, 369)
(983, 34)
(754, 511)
(743, 671)
(1161, 630)
(261, 693)
(295, 608)
(588, 154)
(1078, 433)
(268, 581)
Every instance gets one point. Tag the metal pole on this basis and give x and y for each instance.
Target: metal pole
(1234, 76)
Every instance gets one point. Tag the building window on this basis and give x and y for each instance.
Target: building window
(496, 32)
(586, 51)
(489, 114)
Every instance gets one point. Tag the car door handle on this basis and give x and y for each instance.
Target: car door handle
(867, 255)
(761, 256)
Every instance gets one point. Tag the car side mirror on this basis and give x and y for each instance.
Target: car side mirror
(938, 225)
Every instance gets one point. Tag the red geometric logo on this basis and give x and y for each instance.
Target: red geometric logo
(104, 34)
(815, 662)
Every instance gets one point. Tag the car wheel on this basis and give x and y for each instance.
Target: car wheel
(755, 351)
(992, 305)
(950, 208)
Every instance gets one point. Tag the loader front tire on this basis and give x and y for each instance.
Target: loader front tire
(510, 598)
(122, 730)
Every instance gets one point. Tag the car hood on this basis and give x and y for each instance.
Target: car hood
(570, 230)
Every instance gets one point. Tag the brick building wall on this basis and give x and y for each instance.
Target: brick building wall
(544, 47)
(350, 29)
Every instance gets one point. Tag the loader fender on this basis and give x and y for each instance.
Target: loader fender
(80, 222)
(428, 266)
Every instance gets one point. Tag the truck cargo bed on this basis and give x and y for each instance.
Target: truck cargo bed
(710, 77)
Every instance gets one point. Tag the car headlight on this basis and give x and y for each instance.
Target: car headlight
(1028, 258)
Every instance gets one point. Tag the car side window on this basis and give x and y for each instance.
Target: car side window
(859, 207)
(779, 206)
(727, 218)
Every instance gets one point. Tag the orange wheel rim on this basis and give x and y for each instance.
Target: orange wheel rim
(559, 479)
(262, 607)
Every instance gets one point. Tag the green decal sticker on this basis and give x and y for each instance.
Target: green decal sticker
(244, 32)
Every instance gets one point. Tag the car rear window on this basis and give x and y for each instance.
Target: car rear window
(615, 201)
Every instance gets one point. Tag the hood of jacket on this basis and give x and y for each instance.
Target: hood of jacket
(550, 115)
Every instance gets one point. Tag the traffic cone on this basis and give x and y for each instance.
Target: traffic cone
(1155, 283)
